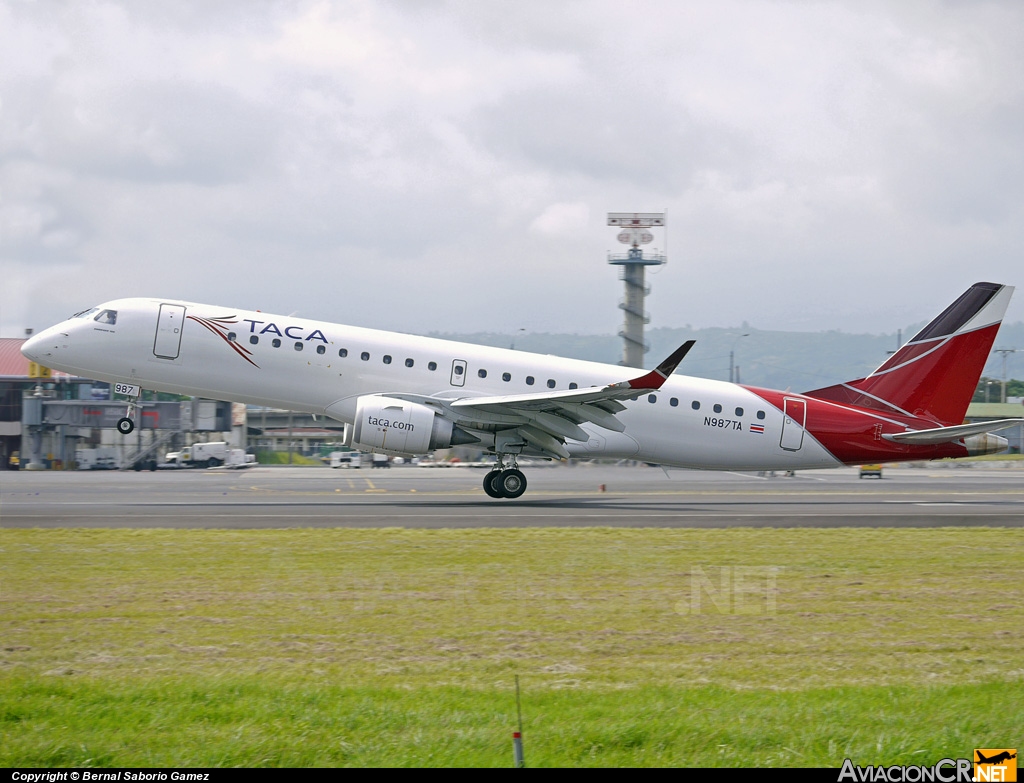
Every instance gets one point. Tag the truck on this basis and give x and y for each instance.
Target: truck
(201, 455)
(102, 458)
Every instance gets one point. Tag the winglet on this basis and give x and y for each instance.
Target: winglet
(656, 377)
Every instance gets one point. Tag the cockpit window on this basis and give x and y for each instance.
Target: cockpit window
(106, 317)
(85, 313)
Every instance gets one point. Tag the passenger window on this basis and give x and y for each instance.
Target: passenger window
(652, 398)
(695, 405)
(551, 383)
(276, 342)
(232, 337)
(431, 366)
(506, 376)
(717, 408)
(298, 346)
(574, 386)
(320, 349)
(459, 369)
(364, 356)
(529, 380)
(482, 373)
(674, 402)
(409, 362)
(739, 412)
(343, 352)
(107, 317)
(387, 359)
(760, 414)
(253, 340)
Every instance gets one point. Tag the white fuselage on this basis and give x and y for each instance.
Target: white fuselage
(319, 367)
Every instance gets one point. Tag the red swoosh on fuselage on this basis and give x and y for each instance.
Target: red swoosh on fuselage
(854, 435)
(219, 327)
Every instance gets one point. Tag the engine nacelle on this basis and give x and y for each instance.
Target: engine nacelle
(392, 426)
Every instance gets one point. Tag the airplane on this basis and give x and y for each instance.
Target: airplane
(996, 759)
(406, 395)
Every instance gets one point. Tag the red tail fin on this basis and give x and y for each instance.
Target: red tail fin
(935, 374)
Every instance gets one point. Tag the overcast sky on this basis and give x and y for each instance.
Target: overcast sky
(448, 166)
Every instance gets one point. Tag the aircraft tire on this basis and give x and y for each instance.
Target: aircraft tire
(513, 483)
(125, 425)
(491, 484)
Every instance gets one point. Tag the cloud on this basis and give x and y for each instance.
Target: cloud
(562, 219)
(447, 165)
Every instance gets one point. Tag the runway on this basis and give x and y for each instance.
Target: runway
(558, 496)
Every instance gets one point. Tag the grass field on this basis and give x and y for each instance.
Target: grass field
(399, 647)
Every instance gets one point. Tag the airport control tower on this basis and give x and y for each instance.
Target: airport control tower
(634, 233)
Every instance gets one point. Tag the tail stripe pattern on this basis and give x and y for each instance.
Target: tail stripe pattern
(934, 375)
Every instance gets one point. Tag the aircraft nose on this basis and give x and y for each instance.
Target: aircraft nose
(43, 345)
(31, 347)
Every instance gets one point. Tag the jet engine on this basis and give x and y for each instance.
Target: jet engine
(393, 426)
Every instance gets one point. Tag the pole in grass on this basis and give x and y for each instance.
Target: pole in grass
(517, 736)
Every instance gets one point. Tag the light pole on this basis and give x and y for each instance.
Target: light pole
(732, 354)
(1004, 352)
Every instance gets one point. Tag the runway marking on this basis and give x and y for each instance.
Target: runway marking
(289, 497)
(854, 490)
(510, 512)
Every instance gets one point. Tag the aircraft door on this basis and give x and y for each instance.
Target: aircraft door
(458, 372)
(168, 331)
(794, 415)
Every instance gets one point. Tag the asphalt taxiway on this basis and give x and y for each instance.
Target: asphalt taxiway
(558, 496)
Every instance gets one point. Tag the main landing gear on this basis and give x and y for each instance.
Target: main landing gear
(505, 481)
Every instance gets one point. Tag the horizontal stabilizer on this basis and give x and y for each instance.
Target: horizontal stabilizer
(950, 434)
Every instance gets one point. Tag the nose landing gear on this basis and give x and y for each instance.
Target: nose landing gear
(126, 424)
(505, 481)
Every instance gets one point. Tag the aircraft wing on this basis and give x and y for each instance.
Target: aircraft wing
(554, 416)
(950, 434)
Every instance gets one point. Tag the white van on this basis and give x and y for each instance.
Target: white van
(346, 459)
